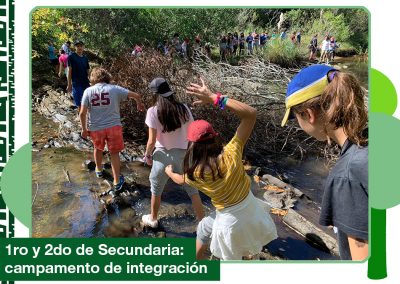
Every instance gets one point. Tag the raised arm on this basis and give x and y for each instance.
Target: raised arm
(246, 113)
(138, 99)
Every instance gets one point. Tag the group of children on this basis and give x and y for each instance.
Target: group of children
(328, 105)
(230, 44)
(328, 48)
(185, 48)
(234, 44)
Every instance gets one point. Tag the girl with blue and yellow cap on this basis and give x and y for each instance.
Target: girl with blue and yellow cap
(330, 105)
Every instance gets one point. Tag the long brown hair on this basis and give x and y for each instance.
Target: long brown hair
(202, 156)
(342, 104)
(170, 112)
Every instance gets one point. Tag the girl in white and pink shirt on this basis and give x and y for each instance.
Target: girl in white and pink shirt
(168, 121)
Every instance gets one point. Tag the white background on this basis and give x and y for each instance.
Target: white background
(385, 40)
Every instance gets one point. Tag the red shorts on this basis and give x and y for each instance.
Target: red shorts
(112, 136)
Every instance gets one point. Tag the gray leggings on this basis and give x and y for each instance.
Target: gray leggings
(161, 159)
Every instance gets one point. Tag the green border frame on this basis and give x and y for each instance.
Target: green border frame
(211, 7)
(10, 127)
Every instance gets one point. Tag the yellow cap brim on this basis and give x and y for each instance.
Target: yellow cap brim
(286, 117)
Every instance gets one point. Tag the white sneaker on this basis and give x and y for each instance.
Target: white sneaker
(149, 222)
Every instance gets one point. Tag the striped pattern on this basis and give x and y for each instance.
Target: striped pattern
(310, 82)
(234, 186)
(313, 90)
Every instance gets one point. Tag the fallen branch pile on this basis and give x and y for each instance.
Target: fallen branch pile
(254, 81)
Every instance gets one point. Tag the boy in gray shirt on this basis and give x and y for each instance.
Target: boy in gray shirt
(102, 102)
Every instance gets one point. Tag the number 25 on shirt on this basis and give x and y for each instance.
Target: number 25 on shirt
(100, 100)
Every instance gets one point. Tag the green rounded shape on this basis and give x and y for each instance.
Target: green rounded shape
(384, 157)
(16, 184)
(383, 96)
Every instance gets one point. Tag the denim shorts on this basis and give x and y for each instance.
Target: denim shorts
(161, 159)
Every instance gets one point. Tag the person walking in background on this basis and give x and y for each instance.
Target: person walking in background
(330, 105)
(102, 102)
(324, 50)
(207, 48)
(235, 43)
(197, 47)
(249, 41)
(52, 56)
(263, 40)
(222, 47)
(197, 39)
(283, 35)
(313, 46)
(168, 121)
(63, 62)
(166, 48)
(185, 47)
(293, 38)
(67, 47)
(78, 70)
(333, 46)
(298, 38)
(241, 224)
(256, 41)
(229, 48)
(137, 51)
(242, 41)
(176, 42)
(273, 35)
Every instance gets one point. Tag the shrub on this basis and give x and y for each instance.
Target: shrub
(283, 53)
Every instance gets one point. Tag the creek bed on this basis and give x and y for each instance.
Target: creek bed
(73, 209)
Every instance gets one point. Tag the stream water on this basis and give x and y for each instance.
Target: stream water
(73, 209)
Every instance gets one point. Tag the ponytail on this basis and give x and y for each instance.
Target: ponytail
(343, 105)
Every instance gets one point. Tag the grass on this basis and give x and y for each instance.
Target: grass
(283, 52)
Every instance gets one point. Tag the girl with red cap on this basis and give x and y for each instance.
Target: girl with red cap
(241, 224)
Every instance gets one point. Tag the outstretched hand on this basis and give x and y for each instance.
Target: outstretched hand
(140, 106)
(202, 93)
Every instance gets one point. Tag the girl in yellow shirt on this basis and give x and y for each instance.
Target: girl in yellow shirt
(241, 224)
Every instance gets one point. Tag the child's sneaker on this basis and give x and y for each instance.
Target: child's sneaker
(149, 222)
(121, 182)
(99, 174)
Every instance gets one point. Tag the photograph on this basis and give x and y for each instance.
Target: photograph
(245, 129)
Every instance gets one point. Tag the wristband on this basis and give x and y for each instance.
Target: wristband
(216, 101)
(223, 103)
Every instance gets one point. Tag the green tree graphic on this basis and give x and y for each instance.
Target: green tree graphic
(384, 133)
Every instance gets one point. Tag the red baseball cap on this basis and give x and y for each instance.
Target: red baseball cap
(200, 130)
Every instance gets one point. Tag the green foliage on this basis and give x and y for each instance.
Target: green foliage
(51, 25)
(112, 31)
(283, 53)
(333, 25)
(357, 20)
